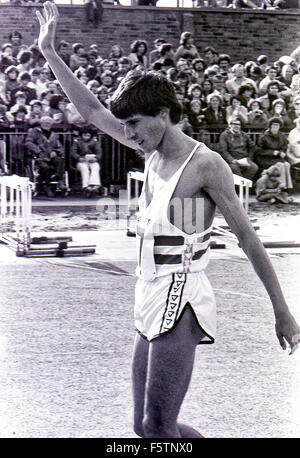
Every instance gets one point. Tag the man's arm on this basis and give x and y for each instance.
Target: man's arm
(85, 102)
(218, 183)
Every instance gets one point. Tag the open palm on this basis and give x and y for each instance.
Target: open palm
(47, 19)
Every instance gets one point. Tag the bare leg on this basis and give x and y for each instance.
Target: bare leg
(139, 374)
(170, 364)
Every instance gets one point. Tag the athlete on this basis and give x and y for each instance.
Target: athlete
(185, 181)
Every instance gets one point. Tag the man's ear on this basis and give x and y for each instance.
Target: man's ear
(164, 113)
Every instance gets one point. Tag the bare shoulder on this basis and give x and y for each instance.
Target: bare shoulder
(211, 167)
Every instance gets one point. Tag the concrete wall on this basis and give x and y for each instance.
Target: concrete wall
(242, 34)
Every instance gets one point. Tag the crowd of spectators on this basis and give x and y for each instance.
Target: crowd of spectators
(247, 111)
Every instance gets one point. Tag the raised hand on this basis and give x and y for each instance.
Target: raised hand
(48, 20)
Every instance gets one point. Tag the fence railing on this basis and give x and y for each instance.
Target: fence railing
(117, 159)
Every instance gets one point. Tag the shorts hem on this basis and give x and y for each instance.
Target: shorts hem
(201, 342)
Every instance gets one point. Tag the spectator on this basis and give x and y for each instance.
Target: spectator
(154, 55)
(86, 157)
(237, 148)
(17, 117)
(279, 110)
(206, 89)
(63, 50)
(293, 152)
(214, 114)
(198, 67)
(196, 117)
(210, 56)
(273, 93)
(262, 62)
(294, 109)
(295, 84)
(6, 57)
(271, 76)
(186, 48)
(236, 110)
(15, 39)
(166, 51)
(286, 75)
(75, 58)
(35, 113)
(11, 82)
(124, 65)
(256, 117)
(138, 50)
(272, 149)
(4, 121)
(269, 187)
(232, 85)
(44, 146)
(23, 85)
(57, 110)
(25, 61)
(246, 93)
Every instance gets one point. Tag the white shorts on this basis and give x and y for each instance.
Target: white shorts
(159, 304)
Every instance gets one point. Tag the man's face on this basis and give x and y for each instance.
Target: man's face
(274, 128)
(146, 131)
(239, 71)
(46, 123)
(235, 126)
(224, 64)
(273, 89)
(272, 73)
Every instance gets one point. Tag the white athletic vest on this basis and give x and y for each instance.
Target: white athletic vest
(162, 247)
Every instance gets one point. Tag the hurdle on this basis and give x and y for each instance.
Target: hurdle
(15, 215)
(15, 224)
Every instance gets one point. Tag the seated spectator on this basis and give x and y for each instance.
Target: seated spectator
(35, 113)
(198, 67)
(11, 81)
(272, 149)
(279, 110)
(75, 58)
(269, 187)
(186, 48)
(43, 79)
(93, 86)
(43, 145)
(23, 85)
(166, 51)
(86, 156)
(255, 74)
(184, 125)
(263, 62)
(138, 51)
(81, 74)
(63, 50)
(237, 149)
(293, 151)
(6, 57)
(20, 99)
(57, 110)
(194, 92)
(196, 117)
(286, 75)
(154, 55)
(104, 96)
(207, 88)
(15, 39)
(214, 114)
(294, 109)
(17, 117)
(107, 81)
(233, 84)
(273, 93)
(224, 62)
(4, 121)
(182, 82)
(295, 83)
(124, 65)
(25, 61)
(271, 76)
(256, 117)
(246, 93)
(210, 56)
(236, 110)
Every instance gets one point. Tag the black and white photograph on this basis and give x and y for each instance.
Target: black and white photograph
(150, 222)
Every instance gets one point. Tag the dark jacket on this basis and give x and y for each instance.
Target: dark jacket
(267, 144)
(235, 146)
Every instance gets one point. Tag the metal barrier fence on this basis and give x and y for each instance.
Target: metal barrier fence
(117, 159)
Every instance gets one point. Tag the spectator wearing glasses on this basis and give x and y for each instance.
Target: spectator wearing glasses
(238, 150)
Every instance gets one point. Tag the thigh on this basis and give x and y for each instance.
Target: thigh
(170, 365)
(139, 375)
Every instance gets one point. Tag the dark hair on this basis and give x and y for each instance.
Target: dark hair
(24, 56)
(25, 76)
(275, 120)
(246, 87)
(134, 46)
(235, 97)
(223, 57)
(145, 93)
(54, 100)
(196, 61)
(166, 47)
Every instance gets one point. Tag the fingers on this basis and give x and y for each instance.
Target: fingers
(281, 341)
(40, 18)
(295, 343)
